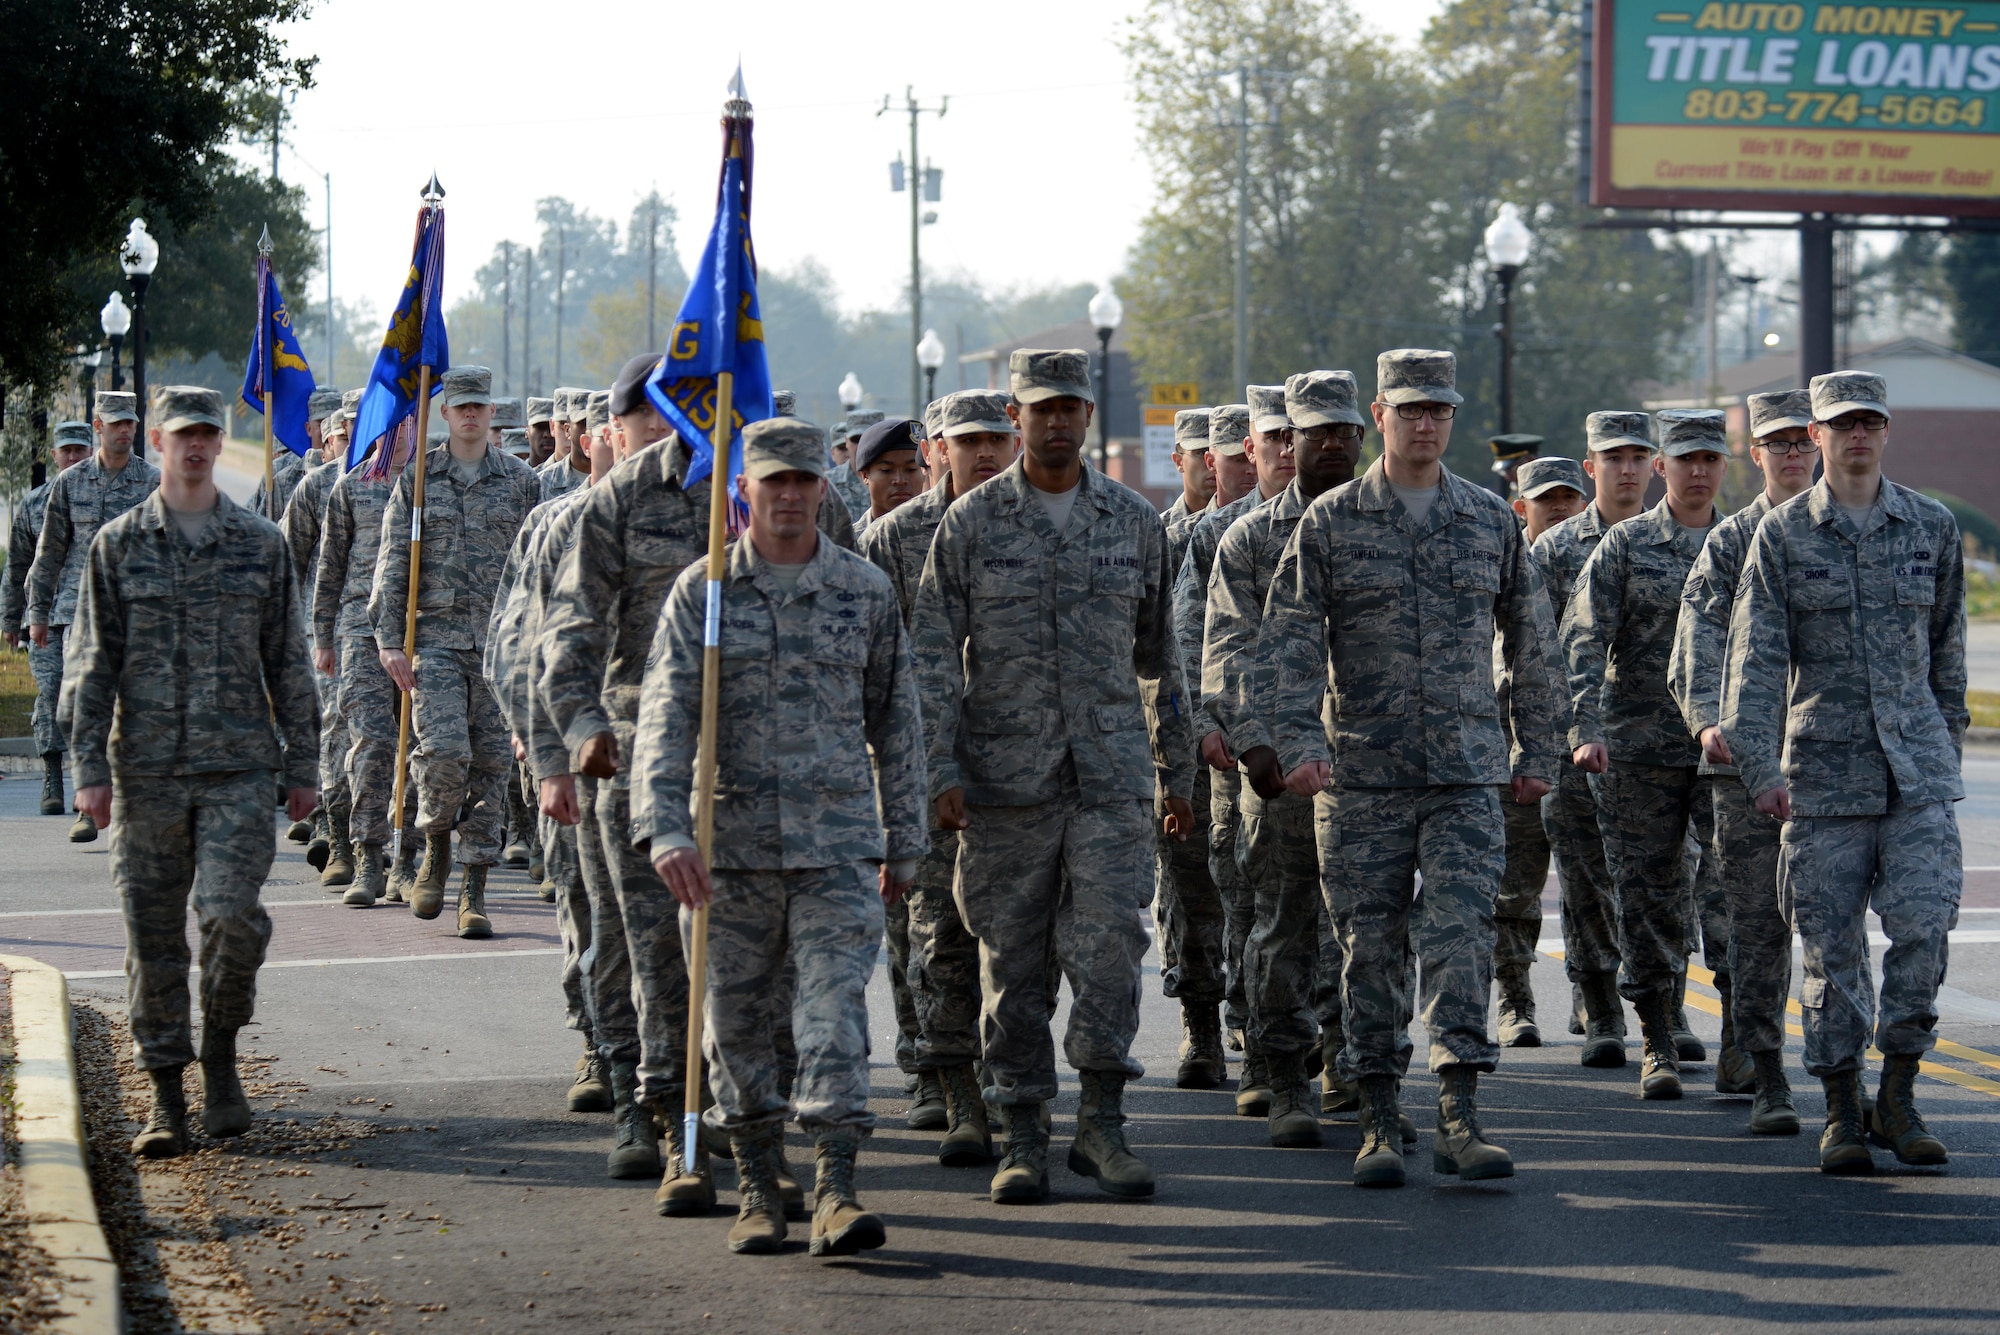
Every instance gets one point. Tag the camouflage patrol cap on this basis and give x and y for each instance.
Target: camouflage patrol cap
(177, 407)
(1692, 430)
(1840, 392)
(350, 403)
(1190, 430)
(1323, 398)
(597, 410)
(514, 440)
(783, 402)
(117, 405)
(540, 410)
(73, 433)
(467, 386)
(337, 425)
(1035, 374)
(322, 404)
(1228, 425)
(571, 403)
(1267, 407)
(1416, 375)
(857, 424)
(1778, 410)
(1609, 430)
(1547, 473)
(933, 419)
(783, 445)
(970, 411)
(506, 413)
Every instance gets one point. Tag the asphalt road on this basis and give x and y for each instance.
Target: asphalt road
(492, 1212)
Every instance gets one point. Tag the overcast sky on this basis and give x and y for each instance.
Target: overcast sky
(599, 100)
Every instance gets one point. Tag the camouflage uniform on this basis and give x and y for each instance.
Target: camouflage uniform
(461, 757)
(814, 679)
(303, 523)
(1045, 658)
(1390, 622)
(1846, 681)
(558, 477)
(286, 471)
(45, 664)
(1617, 635)
(189, 664)
(1588, 899)
(78, 503)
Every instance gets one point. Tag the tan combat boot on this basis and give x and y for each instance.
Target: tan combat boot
(165, 1134)
(1659, 1069)
(427, 894)
(1202, 1065)
(967, 1143)
(1843, 1145)
(1735, 1071)
(1291, 1124)
(1380, 1161)
(369, 881)
(1023, 1175)
(685, 1191)
(840, 1226)
(1771, 1111)
(1604, 1021)
(83, 830)
(1517, 1027)
(340, 852)
(225, 1110)
(760, 1217)
(402, 881)
(1099, 1149)
(1462, 1147)
(1895, 1125)
(473, 924)
(634, 1150)
(927, 1110)
(591, 1091)
(1253, 1086)
(1687, 1047)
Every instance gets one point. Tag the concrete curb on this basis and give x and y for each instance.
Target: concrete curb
(1971, 735)
(55, 1170)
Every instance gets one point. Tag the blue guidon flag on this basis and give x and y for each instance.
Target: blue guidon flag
(720, 328)
(415, 340)
(278, 367)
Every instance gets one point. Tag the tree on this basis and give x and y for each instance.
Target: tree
(111, 109)
(1970, 268)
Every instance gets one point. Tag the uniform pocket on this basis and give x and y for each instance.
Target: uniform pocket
(1812, 994)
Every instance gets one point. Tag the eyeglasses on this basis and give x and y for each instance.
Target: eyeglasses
(1866, 421)
(1341, 431)
(1438, 412)
(1787, 446)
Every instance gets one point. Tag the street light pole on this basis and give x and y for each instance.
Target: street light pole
(930, 356)
(139, 256)
(1507, 243)
(1106, 311)
(115, 319)
(910, 181)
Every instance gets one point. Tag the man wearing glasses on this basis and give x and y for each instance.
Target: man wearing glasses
(1843, 702)
(1746, 840)
(1391, 592)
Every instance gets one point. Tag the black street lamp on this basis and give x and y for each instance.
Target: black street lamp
(139, 256)
(930, 356)
(1507, 243)
(1105, 313)
(116, 319)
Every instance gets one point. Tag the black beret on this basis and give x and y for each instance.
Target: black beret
(898, 433)
(628, 394)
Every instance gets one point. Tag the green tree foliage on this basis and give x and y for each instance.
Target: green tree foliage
(111, 109)
(1373, 174)
(1970, 269)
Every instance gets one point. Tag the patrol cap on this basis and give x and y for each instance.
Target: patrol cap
(177, 407)
(783, 402)
(934, 419)
(628, 392)
(897, 433)
(1267, 407)
(1692, 430)
(970, 411)
(1227, 427)
(597, 410)
(858, 424)
(1190, 430)
(467, 386)
(1609, 430)
(1035, 374)
(1416, 375)
(1323, 398)
(514, 439)
(350, 403)
(73, 433)
(339, 424)
(117, 405)
(1776, 411)
(1548, 472)
(571, 403)
(783, 445)
(506, 413)
(540, 411)
(322, 404)
(1840, 392)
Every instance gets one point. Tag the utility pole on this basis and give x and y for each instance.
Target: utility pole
(332, 370)
(911, 180)
(277, 116)
(527, 318)
(506, 317)
(652, 267)
(1714, 387)
(1815, 296)
(562, 263)
(1749, 281)
(1241, 124)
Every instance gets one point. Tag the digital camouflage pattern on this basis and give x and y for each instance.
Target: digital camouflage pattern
(1281, 951)
(80, 501)
(286, 471)
(1416, 375)
(365, 702)
(851, 490)
(1517, 909)
(1190, 586)
(1776, 411)
(1190, 435)
(45, 663)
(1323, 398)
(1840, 392)
(1035, 374)
(558, 477)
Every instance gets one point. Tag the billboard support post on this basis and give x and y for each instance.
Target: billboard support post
(1815, 296)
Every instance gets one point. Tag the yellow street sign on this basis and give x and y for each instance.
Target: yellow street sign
(1184, 395)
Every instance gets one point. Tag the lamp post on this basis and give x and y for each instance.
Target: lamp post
(850, 392)
(930, 356)
(116, 319)
(1105, 313)
(1507, 242)
(139, 256)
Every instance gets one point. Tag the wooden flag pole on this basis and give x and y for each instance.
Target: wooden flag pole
(270, 449)
(388, 442)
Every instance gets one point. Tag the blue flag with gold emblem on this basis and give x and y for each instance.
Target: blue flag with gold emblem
(416, 339)
(277, 367)
(719, 329)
